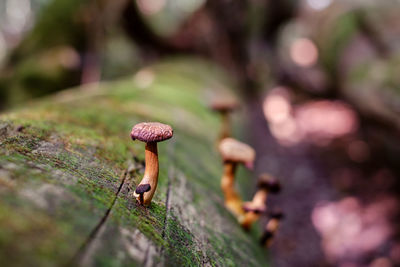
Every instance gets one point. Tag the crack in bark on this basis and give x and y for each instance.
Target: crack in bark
(146, 256)
(79, 256)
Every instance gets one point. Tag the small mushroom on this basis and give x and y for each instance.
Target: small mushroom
(151, 133)
(271, 227)
(234, 152)
(141, 189)
(266, 185)
(224, 106)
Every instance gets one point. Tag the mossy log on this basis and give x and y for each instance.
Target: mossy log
(68, 169)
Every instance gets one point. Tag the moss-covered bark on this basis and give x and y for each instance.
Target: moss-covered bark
(68, 167)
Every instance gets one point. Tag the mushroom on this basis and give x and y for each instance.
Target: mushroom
(266, 184)
(151, 133)
(271, 227)
(224, 106)
(234, 152)
(141, 189)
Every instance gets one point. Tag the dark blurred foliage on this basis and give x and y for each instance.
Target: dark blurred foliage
(322, 83)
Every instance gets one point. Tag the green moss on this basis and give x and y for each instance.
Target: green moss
(181, 249)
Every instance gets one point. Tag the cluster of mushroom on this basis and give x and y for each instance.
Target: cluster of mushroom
(233, 153)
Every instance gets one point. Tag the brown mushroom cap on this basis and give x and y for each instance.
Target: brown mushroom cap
(151, 132)
(233, 150)
(224, 104)
(276, 214)
(265, 181)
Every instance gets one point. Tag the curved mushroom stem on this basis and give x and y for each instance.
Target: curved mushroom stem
(226, 126)
(233, 202)
(258, 201)
(150, 173)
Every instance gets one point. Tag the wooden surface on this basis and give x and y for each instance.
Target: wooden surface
(68, 169)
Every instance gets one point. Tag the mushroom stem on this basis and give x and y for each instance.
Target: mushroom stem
(150, 173)
(225, 126)
(141, 200)
(260, 197)
(259, 200)
(233, 202)
(266, 238)
(271, 227)
(270, 230)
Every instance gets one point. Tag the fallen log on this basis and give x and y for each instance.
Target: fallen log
(68, 170)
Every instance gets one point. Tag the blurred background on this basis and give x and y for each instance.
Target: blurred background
(320, 81)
